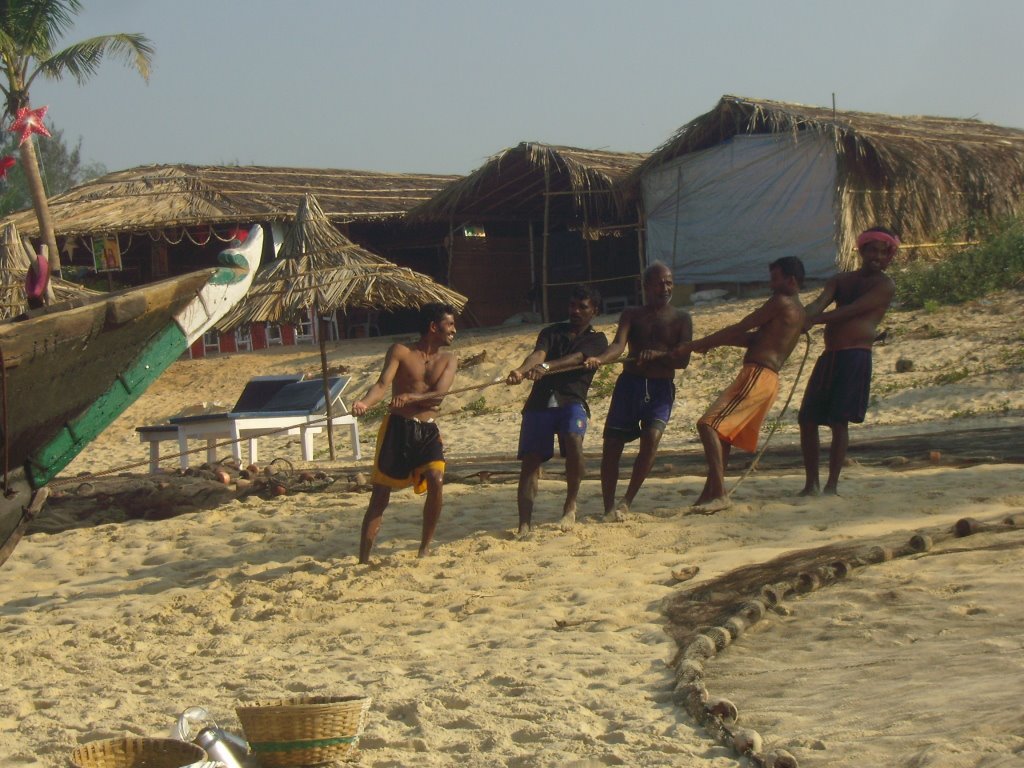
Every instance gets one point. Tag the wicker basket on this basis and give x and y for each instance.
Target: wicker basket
(304, 731)
(136, 753)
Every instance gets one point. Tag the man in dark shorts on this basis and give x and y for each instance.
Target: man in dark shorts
(839, 387)
(644, 392)
(409, 447)
(557, 404)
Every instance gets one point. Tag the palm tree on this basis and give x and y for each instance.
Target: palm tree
(28, 31)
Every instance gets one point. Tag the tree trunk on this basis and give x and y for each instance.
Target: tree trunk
(30, 166)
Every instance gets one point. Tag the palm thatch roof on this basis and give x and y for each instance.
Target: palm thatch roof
(512, 185)
(156, 197)
(14, 261)
(921, 175)
(320, 269)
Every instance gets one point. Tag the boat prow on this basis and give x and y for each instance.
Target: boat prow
(69, 370)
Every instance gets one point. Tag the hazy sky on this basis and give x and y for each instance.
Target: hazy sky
(439, 85)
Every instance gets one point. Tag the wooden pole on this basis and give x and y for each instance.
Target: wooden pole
(586, 244)
(451, 249)
(322, 328)
(641, 256)
(544, 252)
(675, 225)
(533, 268)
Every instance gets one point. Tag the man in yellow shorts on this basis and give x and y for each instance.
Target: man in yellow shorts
(769, 334)
(409, 448)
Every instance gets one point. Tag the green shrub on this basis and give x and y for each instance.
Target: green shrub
(962, 274)
(477, 407)
(377, 412)
(603, 382)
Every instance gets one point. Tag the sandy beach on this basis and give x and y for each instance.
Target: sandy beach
(139, 595)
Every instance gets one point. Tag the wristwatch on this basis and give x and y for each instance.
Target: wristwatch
(545, 366)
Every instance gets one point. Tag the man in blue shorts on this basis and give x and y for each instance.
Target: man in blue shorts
(557, 404)
(644, 392)
(839, 387)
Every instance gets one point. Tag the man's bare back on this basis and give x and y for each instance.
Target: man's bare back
(773, 341)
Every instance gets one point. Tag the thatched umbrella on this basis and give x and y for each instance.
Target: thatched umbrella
(319, 270)
(14, 263)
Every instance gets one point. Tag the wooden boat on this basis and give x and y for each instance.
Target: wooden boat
(68, 370)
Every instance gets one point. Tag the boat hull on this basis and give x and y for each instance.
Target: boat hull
(70, 370)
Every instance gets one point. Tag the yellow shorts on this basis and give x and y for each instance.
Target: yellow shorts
(738, 413)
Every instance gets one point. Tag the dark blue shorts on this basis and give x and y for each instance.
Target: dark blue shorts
(538, 430)
(639, 403)
(838, 389)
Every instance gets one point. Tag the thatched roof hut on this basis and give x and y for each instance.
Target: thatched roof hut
(159, 197)
(768, 178)
(517, 183)
(530, 221)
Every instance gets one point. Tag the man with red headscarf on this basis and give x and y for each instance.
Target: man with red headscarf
(839, 387)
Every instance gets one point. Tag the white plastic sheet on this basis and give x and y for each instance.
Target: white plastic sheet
(723, 214)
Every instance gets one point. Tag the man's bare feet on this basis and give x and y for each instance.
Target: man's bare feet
(568, 521)
(525, 532)
(618, 514)
(810, 490)
(829, 490)
(710, 506)
(425, 552)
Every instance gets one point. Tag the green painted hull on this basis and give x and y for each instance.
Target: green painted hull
(153, 360)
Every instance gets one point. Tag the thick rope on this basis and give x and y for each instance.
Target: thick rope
(267, 433)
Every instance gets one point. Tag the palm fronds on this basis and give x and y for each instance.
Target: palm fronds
(320, 269)
(14, 261)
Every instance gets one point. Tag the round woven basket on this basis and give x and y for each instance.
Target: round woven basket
(136, 753)
(304, 731)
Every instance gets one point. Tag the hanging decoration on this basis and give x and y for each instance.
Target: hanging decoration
(28, 121)
(6, 163)
(195, 235)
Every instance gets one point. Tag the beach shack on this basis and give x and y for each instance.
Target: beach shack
(753, 180)
(143, 224)
(530, 223)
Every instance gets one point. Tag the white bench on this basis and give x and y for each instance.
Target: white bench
(249, 428)
(278, 405)
(154, 435)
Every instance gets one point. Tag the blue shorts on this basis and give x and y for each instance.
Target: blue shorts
(639, 403)
(538, 430)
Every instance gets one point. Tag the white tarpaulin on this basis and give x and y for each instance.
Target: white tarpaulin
(723, 214)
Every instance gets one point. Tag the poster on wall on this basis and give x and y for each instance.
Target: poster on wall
(106, 254)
